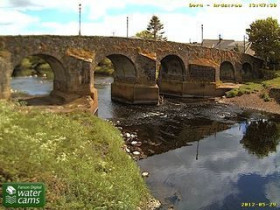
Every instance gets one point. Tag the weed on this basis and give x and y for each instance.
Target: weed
(265, 97)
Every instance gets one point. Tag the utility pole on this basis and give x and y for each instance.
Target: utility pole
(220, 40)
(244, 43)
(80, 18)
(201, 34)
(127, 22)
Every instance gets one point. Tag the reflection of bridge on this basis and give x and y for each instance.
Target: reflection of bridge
(184, 69)
(174, 133)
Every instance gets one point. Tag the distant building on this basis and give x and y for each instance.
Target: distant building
(224, 44)
(230, 44)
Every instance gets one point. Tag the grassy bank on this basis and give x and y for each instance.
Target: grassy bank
(262, 86)
(78, 157)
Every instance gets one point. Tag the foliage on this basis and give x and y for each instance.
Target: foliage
(144, 35)
(236, 48)
(33, 65)
(265, 97)
(249, 87)
(105, 67)
(261, 137)
(273, 83)
(258, 86)
(155, 28)
(78, 157)
(265, 37)
(268, 74)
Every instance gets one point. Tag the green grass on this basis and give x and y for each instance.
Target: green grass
(247, 88)
(78, 157)
(274, 83)
(260, 85)
(265, 96)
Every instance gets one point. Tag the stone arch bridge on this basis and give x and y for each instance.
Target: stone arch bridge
(143, 68)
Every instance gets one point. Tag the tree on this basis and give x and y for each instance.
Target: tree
(236, 48)
(261, 138)
(144, 35)
(155, 28)
(265, 37)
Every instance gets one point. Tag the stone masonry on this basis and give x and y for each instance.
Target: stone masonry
(183, 69)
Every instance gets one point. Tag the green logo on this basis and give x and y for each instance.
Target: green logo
(23, 194)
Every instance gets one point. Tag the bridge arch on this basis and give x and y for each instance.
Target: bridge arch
(172, 67)
(247, 71)
(124, 67)
(60, 74)
(227, 72)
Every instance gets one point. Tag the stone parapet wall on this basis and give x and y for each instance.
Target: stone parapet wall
(183, 67)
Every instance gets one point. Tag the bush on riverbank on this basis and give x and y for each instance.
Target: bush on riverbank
(105, 67)
(33, 65)
(78, 157)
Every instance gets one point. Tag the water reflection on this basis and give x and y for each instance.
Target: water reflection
(261, 137)
(197, 158)
(172, 133)
(224, 176)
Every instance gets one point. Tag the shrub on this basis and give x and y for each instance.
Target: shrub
(265, 97)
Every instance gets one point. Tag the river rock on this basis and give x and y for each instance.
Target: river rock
(153, 204)
(151, 143)
(145, 174)
(127, 135)
(136, 143)
(133, 143)
(127, 150)
(151, 151)
(136, 153)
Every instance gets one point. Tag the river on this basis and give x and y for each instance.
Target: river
(199, 154)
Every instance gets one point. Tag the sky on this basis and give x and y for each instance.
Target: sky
(108, 17)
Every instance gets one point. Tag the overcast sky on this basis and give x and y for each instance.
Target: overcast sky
(108, 17)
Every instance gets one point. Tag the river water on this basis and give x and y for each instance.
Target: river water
(201, 154)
